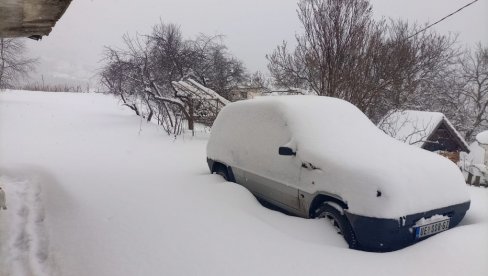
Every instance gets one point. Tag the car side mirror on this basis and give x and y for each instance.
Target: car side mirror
(286, 151)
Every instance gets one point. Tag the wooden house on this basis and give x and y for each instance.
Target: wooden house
(431, 131)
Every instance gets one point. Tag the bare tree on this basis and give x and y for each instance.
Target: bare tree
(413, 69)
(259, 81)
(214, 66)
(205, 58)
(114, 77)
(130, 73)
(170, 55)
(14, 65)
(338, 35)
(474, 73)
(402, 127)
(345, 53)
(143, 72)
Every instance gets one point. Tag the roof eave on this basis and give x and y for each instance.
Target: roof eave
(29, 18)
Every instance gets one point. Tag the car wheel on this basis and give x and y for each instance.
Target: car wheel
(340, 222)
(222, 171)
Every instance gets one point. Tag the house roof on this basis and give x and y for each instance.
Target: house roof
(30, 18)
(416, 127)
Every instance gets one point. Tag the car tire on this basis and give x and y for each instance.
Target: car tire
(339, 221)
(222, 171)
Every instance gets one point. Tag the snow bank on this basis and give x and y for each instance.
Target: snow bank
(475, 161)
(482, 137)
(121, 198)
(477, 154)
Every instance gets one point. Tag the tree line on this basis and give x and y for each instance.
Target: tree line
(383, 65)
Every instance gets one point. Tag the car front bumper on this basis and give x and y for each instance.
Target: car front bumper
(383, 235)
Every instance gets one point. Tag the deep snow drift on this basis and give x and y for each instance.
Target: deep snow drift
(93, 190)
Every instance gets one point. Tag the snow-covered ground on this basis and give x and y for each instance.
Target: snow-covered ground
(93, 190)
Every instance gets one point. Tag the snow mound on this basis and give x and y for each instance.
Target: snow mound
(482, 137)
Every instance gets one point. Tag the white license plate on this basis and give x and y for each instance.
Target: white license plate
(431, 229)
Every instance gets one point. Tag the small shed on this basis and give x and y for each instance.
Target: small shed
(431, 131)
(203, 103)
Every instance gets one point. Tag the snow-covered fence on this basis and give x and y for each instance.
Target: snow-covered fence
(203, 103)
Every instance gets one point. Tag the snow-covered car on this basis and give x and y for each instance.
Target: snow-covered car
(322, 157)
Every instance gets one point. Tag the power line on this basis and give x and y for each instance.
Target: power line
(442, 19)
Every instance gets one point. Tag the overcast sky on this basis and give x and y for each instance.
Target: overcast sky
(252, 28)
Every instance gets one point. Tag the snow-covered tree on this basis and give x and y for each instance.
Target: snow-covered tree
(142, 73)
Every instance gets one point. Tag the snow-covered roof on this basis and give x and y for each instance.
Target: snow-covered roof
(193, 88)
(482, 137)
(415, 127)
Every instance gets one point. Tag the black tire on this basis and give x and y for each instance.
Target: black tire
(339, 221)
(222, 171)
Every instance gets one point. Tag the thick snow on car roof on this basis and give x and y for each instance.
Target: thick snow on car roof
(356, 159)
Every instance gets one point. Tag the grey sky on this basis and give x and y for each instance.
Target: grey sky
(252, 28)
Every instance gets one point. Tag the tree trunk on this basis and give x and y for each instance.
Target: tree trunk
(191, 118)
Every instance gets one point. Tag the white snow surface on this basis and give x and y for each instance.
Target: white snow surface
(355, 159)
(434, 218)
(482, 137)
(475, 161)
(477, 154)
(93, 190)
(24, 244)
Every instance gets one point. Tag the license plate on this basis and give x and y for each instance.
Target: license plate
(431, 229)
